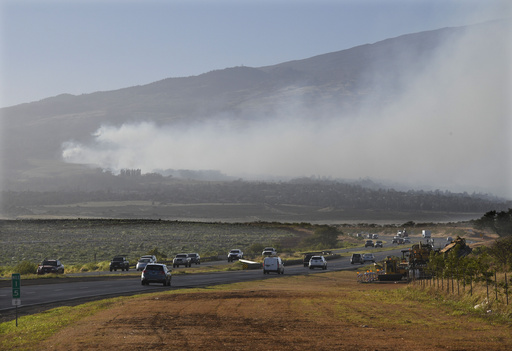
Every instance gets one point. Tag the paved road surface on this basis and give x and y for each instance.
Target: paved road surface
(32, 295)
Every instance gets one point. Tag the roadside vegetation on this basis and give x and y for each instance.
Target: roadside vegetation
(335, 310)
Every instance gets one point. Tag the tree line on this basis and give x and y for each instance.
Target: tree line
(130, 186)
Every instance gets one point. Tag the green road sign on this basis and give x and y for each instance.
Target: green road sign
(16, 286)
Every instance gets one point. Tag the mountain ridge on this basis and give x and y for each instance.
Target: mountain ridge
(339, 81)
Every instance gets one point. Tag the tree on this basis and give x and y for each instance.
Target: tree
(501, 251)
(324, 237)
(499, 222)
(159, 255)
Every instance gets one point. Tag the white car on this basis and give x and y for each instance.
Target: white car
(151, 257)
(368, 257)
(269, 251)
(318, 262)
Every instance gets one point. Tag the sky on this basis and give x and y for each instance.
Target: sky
(78, 47)
(449, 129)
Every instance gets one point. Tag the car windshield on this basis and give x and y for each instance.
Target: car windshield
(49, 263)
(192, 255)
(181, 255)
(316, 258)
(118, 258)
(145, 260)
(234, 251)
(154, 268)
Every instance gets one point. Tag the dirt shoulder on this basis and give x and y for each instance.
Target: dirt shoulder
(328, 311)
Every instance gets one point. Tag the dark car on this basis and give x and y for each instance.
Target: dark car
(119, 262)
(307, 257)
(356, 258)
(194, 258)
(397, 240)
(368, 243)
(50, 266)
(156, 273)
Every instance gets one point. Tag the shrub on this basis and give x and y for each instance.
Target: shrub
(25, 267)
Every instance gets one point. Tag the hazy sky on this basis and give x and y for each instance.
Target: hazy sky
(73, 46)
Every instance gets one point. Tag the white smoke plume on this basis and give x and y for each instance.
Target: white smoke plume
(449, 129)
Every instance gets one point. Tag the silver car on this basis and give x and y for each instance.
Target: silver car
(141, 264)
(318, 262)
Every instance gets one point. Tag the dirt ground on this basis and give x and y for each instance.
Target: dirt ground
(328, 311)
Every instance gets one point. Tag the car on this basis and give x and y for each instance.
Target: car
(181, 259)
(273, 264)
(368, 257)
(318, 262)
(119, 262)
(50, 266)
(156, 273)
(378, 243)
(356, 258)
(397, 240)
(194, 258)
(151, 257)
(368, 243)
(307, 257)
(235, 254)
(143, 261)
(269, 251)
(406, 241)
(375, 236)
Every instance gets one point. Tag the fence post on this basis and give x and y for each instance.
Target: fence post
(487, 286)
(496, 285)
(506, 287)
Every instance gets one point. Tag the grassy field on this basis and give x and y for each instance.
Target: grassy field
(80, 241)
(326, 311)
(89, 244)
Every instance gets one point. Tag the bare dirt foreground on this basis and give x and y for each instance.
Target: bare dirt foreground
(328, 311)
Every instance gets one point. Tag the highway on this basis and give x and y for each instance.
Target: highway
(52, 295)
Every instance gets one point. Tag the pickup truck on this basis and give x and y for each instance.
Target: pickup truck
(119, 262)
(235, 254)
(181, 259)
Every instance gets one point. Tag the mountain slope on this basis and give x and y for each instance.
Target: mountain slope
(342, 81)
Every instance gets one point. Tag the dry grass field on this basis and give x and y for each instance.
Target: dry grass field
(327, 311)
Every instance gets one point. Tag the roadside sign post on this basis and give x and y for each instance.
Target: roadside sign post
(16, 292)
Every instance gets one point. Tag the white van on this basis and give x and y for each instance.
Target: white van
(273, 264)
(426, 234)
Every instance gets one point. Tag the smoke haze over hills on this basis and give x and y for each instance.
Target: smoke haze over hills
(443, 122)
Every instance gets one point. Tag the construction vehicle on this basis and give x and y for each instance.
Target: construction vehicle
(412, 265)
(459, 243)
(395, 269)
(418, 260)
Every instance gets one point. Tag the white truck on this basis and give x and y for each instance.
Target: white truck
(426, 234)
(273, 264)
(181, 259)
